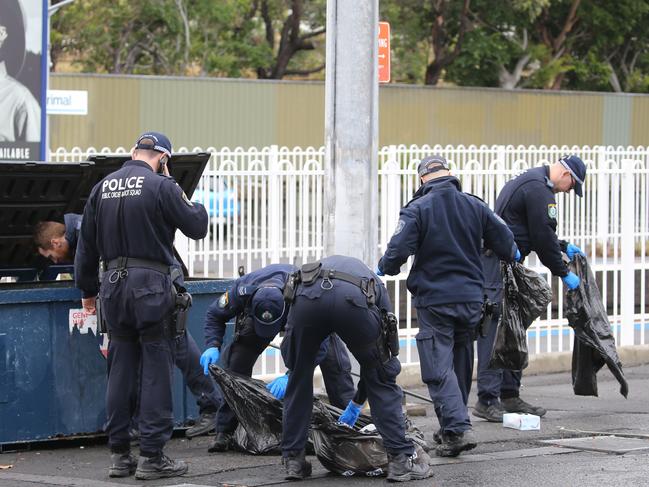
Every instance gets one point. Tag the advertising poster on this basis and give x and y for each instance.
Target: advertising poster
(23, 79)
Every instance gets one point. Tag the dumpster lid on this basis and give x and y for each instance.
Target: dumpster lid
(31, 192)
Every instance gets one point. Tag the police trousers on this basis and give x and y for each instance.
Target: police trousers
(342, 310)
(140, 358)
(445, 346)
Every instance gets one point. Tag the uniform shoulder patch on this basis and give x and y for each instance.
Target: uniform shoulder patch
(400, 226)
(186, 200)
(224, 300)
(552, 211)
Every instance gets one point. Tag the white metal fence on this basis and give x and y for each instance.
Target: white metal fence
(266, 206)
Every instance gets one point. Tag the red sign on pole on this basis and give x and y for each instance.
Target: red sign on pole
(384, 52)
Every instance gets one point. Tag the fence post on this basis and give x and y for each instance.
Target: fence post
(627, 248)
(603, 195)
(275, 225)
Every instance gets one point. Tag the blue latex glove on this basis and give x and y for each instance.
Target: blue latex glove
(278, 387)
(571, 280)
(378, 271)
(517, 256)
(351, 413)
(210, 356)
(572, 250)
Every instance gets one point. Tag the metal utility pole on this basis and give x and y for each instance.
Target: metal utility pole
(351, 130)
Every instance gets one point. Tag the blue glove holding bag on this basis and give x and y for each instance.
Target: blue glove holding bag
(572, 250)
(278, 387)
(210, 356)
(351, 413)
(571, 281)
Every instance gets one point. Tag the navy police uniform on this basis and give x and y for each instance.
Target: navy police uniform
(527, 204)
(444, 229)
(247, 345)
(129, 223)
(331, 305)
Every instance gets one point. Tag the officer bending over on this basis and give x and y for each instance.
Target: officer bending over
(257, 301)
(528, 206)
(129, 223)
(341, 295)
(58, 242)
(444, 229)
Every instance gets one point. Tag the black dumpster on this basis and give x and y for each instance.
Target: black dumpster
(52, 371)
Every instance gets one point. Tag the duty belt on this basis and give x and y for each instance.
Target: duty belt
(120, 266)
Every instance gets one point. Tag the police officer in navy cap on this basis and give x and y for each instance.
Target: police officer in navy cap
(129, 222)
(444, 229)
(528, 206)
(342, 295)
(257, 301)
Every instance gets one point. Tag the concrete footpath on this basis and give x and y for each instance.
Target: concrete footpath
(504, 457)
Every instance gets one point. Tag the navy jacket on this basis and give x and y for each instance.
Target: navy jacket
(72, 229)
(237, 300)
(528, 206)
(445, 229)
(133, 212)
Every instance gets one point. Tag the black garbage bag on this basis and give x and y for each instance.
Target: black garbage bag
(525, 295)
(259, 414)
(350, 451)
(594, 343)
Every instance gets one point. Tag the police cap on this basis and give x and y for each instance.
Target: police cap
(154, 141)
(268, 307)
(431, 164)
(577, 170)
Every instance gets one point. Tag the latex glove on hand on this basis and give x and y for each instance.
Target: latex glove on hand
(351, 413)
(278, 387)
(379, 272)
(572, 250)
(518, 257)
(210, 356)
(571, 281)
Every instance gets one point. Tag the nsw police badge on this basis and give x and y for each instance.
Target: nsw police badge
(224, 300)
(552, 211)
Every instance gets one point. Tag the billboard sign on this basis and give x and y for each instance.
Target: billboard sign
(23, 79)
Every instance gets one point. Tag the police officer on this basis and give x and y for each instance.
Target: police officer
(129, 223)
(444, 228)
(528, 206)
(341, 295)
(58, 242)
(257, 300)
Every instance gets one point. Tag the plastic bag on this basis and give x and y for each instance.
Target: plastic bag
(341, 449)
(348, 451)
(594, 343)
(525, 295)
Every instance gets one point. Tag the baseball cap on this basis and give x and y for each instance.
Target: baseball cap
(577, 170)
(431, 164)
(268, 308)
(161, 142)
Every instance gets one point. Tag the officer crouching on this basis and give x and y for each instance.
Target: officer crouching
(444, 229)
(129, 223)
(341, 295)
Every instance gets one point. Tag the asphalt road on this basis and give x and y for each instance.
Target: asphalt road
(503, 458)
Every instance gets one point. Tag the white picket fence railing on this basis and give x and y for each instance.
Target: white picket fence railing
(266, 206)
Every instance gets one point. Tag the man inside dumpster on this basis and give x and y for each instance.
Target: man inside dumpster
(528, 206)
(129, 222)
(341, 295)
(58, 241)
(444, 229)
(256, 300)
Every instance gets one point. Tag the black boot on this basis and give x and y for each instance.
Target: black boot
(402, 467)
(221, 442)
(297, 468)
(122, 464)
(491, 412)
(455, 443)
(205, 423)
(150, 468)
(517, 405)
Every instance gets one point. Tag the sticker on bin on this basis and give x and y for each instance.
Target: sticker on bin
(83, 321)
(523, 422)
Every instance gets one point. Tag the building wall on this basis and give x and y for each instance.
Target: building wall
(229, 113)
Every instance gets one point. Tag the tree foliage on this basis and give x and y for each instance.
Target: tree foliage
(545, 44)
